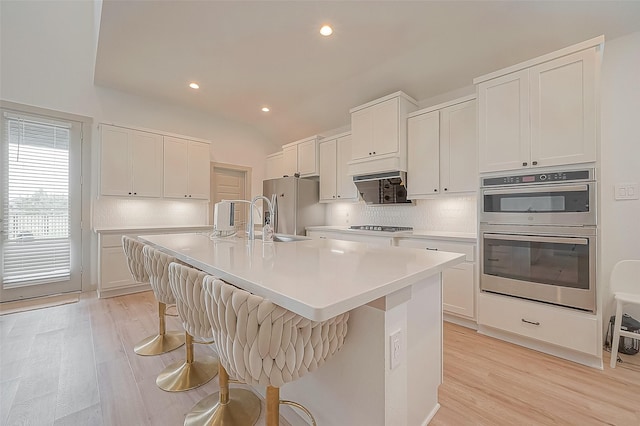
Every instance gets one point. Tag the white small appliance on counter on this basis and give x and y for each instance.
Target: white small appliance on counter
(223, 216)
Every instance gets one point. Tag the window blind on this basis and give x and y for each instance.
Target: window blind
(36, 245)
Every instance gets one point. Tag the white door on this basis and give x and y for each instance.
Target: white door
(230, 183)
(563, 110)
(328, 170)
(503, 122)
(423, 154)
(385, 127)
(146, 164)
(198, 170)
(40, 206)
(345, 188)
(458, 148)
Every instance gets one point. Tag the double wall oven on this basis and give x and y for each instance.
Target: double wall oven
(538, 237)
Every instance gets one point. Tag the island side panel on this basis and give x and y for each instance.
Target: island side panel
(358, 386)
(349, 388)
(424, 321)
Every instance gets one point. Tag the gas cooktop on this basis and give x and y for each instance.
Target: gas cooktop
(381, 228)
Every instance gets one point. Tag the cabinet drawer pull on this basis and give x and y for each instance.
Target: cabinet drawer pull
(433, 249)
(524, 164)
(535, 163)
(530, 322)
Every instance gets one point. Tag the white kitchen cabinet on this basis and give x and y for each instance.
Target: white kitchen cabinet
(346, 236)
(335, 183)
(301, 157)
(114, 278)
(290, 160)
(459, 281)
(558, 326)
(541, 115)
(186, 169)
(379, 132)
(130, 162)
(275, 166)
(442, 149)
(375, 129)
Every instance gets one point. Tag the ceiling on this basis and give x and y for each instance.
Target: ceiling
(247, 54)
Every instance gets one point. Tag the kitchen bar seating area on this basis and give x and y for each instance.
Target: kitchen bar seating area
(302, 219)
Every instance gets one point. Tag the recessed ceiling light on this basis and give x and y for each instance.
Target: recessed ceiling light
(194, 85)
(326, 30)
(265, 109)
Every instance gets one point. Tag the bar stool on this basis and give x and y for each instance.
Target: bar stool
(260, 343)
(154, 273)
(625, 286)
(186, 285)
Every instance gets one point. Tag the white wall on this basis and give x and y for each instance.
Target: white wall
(47, 57)
(620, 156)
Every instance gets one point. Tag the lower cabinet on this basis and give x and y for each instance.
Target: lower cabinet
(558, 326)
(459, 281)
(114, 278)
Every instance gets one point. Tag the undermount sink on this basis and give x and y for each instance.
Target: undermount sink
(285, 238)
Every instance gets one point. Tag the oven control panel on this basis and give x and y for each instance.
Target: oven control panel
(574, 175)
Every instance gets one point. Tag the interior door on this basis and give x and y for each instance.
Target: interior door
(40, 206)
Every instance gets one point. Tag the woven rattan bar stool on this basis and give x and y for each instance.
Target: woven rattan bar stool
(260, 343)
(186, 285)
(141, 270)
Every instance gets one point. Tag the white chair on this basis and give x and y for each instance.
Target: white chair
(186, 285)
(625, 286)
(260, 343)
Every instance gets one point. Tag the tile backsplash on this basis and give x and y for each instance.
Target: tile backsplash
(448, 214)
(115, 212)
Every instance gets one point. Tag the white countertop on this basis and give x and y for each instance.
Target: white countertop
(121, 229)
(416, 233)
(317, 279)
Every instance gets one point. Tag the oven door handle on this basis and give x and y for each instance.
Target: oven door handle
(558, 240)
(546, 188)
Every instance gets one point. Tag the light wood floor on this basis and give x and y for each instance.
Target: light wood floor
(74, 365)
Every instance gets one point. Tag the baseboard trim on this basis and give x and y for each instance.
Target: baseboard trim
(121, 291)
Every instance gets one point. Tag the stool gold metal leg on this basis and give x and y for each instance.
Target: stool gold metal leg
(273, 406)
(162, 342)
(188, 374)
(235, 407)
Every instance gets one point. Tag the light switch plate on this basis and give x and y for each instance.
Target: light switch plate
(627, 191)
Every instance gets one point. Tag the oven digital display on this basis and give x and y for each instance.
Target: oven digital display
(528, 178)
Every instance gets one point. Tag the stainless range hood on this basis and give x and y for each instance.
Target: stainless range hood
(382, 188)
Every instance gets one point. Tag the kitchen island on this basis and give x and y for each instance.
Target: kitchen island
(393, 295)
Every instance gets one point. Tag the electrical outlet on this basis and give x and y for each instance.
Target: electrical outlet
(627, 191)
(395, 347)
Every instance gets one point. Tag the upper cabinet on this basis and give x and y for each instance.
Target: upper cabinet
(541, 113)
(274, 166)
(335, 183)
(379, 133)
(186, 169)
(301, 157)
(442, 149)
(130, 162)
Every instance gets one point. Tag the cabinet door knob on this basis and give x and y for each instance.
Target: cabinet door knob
(334, 196)
(535, 163)
(435, 190)
(129, 193)
(445, 189)
(374, 153)
(369, 153)
(135, 193)
(338, 196)
(524, 163)
(185, 195)
(189, 195)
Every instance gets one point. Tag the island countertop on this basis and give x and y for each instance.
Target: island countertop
(317, 279)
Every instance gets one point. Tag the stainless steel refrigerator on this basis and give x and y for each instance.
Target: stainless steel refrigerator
(297, 204)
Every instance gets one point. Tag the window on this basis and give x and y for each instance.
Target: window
(36, 202)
